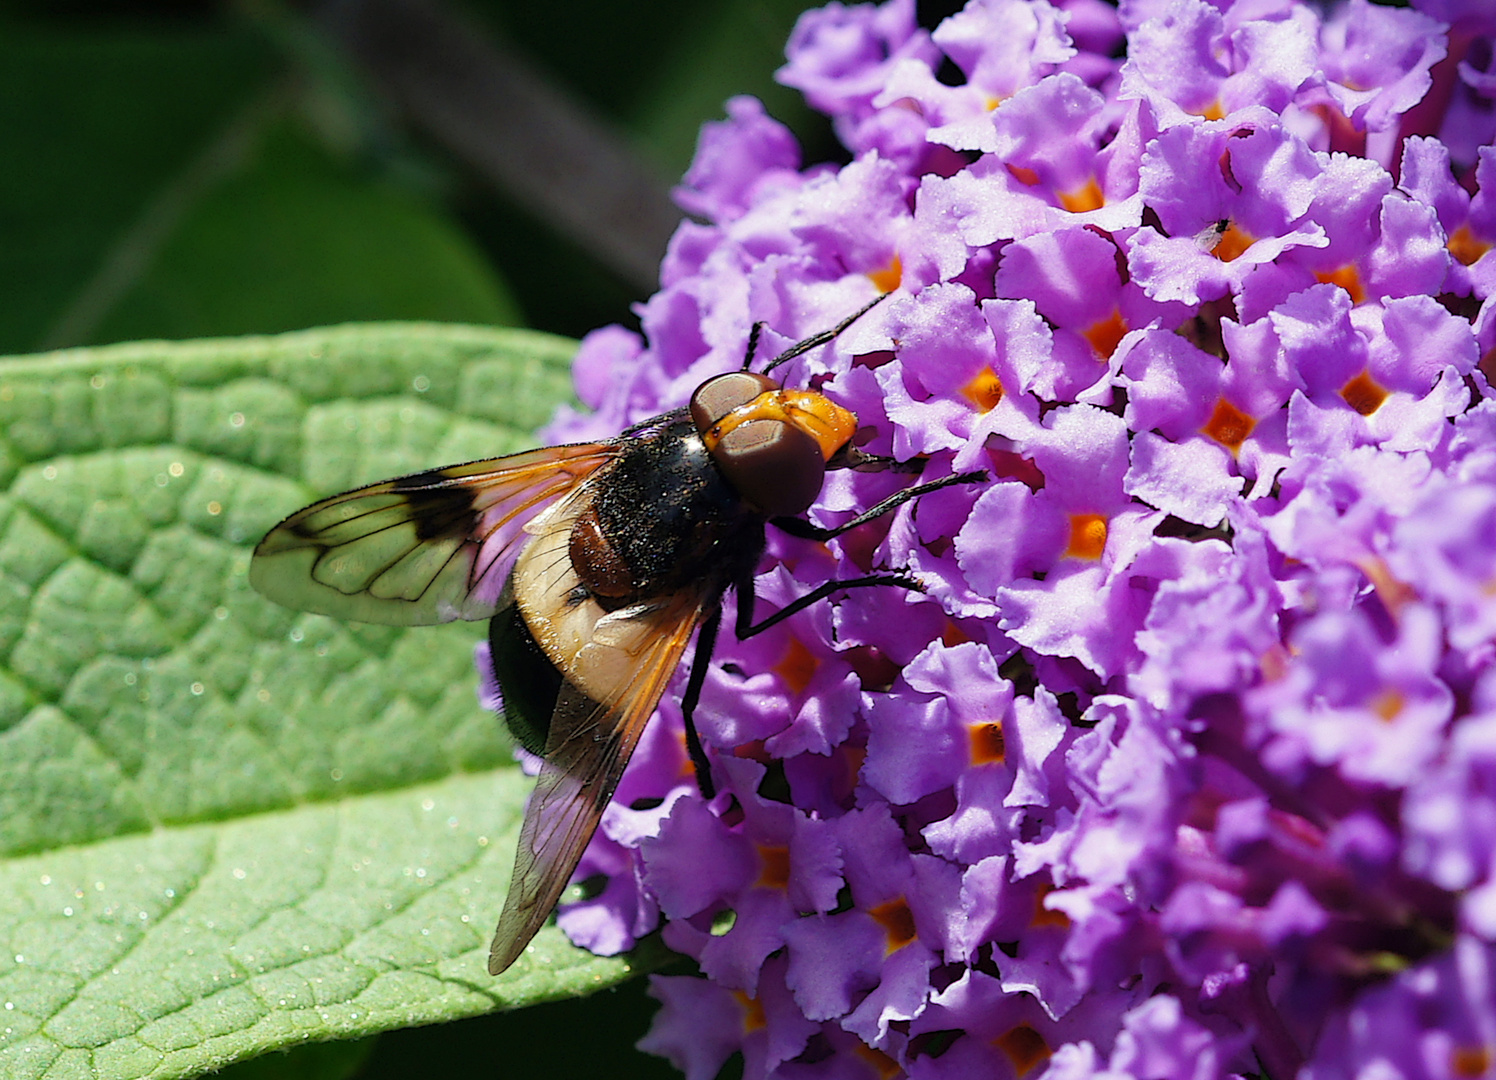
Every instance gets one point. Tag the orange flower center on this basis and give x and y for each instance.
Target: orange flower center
(1087, 536)
(985, 390)
(1025, 1048)
(1228, 425)
(1364, 394)
(897, 922)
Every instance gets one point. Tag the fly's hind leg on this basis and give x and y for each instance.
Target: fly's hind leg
(706, 641)
(745, 628)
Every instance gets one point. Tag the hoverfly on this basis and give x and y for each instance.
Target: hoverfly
(595, 563)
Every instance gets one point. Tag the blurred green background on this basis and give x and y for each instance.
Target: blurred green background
(179, 169)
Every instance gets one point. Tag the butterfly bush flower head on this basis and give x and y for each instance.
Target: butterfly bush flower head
(1184, 761)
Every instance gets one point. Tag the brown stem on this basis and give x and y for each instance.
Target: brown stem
(495, 111)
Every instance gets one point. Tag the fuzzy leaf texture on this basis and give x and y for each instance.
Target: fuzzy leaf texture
(226, 827)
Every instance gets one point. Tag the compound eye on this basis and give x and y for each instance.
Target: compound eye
(721, 394)
(775, 466)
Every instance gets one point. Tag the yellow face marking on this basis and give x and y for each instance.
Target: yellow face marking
(818, 416)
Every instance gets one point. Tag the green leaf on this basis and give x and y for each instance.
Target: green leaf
(225, 827)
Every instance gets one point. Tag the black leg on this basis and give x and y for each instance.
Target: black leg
(758, 328)
(824, 336)
(747, 598)
(747, 629)
(806, 531)
(850, 457)
(706, 640)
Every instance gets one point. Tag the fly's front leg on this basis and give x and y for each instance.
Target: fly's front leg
(850, 457)
(746, 627)
(806, 531)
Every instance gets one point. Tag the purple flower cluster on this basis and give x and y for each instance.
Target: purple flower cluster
(1185, 763)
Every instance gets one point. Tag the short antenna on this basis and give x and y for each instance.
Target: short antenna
(814, 341)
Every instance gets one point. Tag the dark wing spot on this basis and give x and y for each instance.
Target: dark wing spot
(440, 508)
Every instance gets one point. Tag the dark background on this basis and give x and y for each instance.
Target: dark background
(178, 169)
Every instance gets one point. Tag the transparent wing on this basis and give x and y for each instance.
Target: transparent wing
(426, 548)
(589, 745)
